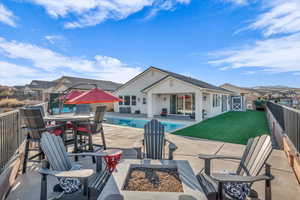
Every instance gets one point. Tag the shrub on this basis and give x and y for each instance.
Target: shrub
(10, 103)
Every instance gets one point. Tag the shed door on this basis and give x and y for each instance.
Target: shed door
(237, 103)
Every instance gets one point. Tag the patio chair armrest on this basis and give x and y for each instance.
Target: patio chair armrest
(82, 173)
(97, 154)
(211, 157)
(208, 158)
(172, 147)
(225, 178)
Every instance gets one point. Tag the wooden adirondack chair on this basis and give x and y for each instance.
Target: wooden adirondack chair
(154, 142)
(254, 158)
(35, 125)
(60, 166)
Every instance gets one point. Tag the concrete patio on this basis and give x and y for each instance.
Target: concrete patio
(284, 186)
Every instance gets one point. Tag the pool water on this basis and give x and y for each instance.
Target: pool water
(140, 123)
(64, 110)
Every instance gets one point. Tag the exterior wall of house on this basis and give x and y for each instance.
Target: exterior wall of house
(134, 89)
(207, 102)
(212, 110)
(161, 101)
(173, 86)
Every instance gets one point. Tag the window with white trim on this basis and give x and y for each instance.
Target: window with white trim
(133, 100)
(126, 100)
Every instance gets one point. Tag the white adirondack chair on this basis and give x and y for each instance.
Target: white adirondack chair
(254, 158)
(60, 166)
(154, 142)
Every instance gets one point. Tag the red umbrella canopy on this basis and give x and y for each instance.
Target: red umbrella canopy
(71, 95)
(95, 95)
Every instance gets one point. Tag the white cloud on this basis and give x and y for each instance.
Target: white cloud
(46, 60)
(54, 38)
(113, 69)
(12, 74)
(92, 12)
(239, 2)
(167, 5)
(6, 16)
(281, 17)
(42, 57)
(271, 55)
(279, 51)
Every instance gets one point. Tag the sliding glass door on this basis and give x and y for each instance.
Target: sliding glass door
(182, 104)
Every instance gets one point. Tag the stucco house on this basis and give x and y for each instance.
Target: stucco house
(157, 92)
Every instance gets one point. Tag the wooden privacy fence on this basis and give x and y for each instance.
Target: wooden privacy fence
(10, 135)
(289, 120)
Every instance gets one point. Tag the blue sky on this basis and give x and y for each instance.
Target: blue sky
(243, 42)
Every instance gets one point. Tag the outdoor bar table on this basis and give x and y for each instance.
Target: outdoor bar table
(70, 117)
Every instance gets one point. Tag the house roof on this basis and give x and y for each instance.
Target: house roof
(104, 85)
(187, 79)
(41, 84)
(242, 88)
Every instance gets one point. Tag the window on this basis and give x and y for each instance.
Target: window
(216, 100)
(133, 100)
(121, 102)
(144, 100)
(127, 100)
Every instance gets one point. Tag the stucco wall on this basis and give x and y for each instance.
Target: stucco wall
(161, 101)
(134, 89)
(173, 86)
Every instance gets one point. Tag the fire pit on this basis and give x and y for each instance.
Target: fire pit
(153, 179)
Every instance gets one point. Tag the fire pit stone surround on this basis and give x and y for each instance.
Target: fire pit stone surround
(189, 184)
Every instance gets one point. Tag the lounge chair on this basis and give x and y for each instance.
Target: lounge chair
(59, 165)
(254, 158)
(154, 142)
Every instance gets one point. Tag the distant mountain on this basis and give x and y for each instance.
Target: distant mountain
(276, 89)
(272, 87)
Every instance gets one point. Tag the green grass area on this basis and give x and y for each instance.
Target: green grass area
(234, 127)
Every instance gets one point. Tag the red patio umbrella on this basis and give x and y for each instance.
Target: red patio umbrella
(71, 95)
(95, 95)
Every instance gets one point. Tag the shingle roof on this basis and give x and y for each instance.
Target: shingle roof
(104, 85)
(187, 79)
(243, 88)
(41, 84)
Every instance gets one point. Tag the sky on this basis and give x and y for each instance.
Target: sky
(243, 42)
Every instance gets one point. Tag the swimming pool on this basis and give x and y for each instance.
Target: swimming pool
(139, 123)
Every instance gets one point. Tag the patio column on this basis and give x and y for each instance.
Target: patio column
(150, 105)
(198, 105)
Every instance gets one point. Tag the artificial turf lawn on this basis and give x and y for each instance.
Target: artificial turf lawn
(233, 127)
